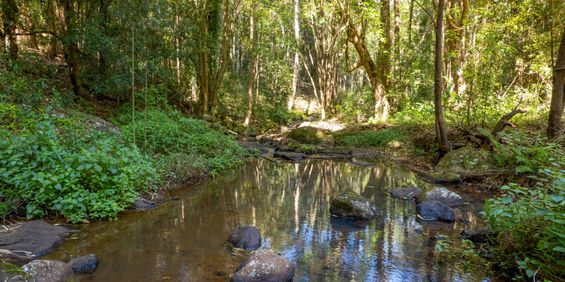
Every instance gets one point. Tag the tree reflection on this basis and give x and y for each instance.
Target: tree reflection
(289, 203)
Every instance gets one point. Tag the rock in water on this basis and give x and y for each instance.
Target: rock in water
(85, 264)
(264, 266)
(434, 210)
(245, 237)
(445, 196)
(352, 205)
(47, 271)
(32, 238)
(406, 193)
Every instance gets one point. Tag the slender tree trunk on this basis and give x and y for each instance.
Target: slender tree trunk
(396, 36)
(383, 61)
(71, 47)
(441, 132)
(51, 24)
(555, 122)
(410, 18)
(10, 12)
(296, 61)
(103, 51)
(251, 73)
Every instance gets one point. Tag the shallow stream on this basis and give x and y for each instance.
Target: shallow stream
(183, 239)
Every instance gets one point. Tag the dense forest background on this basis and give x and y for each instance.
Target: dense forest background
(256, 60)
(102, 101)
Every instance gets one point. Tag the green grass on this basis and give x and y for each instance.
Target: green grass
(380, 138)
(182, 143)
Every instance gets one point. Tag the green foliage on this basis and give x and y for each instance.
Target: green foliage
(52, 164)
(356, 106)
(524, 153)
(169, 133)
(378, 138)
(460, 254)
(421, 113)
(531, 226)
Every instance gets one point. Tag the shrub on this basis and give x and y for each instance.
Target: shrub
(50, 167)
(370, 138)
(531, 226)
(164, 134)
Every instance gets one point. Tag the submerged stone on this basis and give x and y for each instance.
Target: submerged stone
(292, 156)
(349, 204)
(245, 237)
(264, 266)
(84, 264)
(409, 193)
(434, 210)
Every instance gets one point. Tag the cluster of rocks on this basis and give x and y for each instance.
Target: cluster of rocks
(23, 243)
(261, 265)
(436, 204)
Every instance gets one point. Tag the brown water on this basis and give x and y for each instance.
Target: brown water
(183, 239)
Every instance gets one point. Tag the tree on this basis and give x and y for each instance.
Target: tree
(376, 73)
(555, 122)
(10, 12)
(441, 133)
(322, 53)
(252, 63)
(296, 61)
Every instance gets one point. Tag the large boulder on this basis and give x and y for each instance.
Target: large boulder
(310, 135)
(48, 271)
(444, 196)
(409, 193)
(352, 205)
(84, 264)
(434, 210)
(31, 239)
(245, 237)
(463, 163)
(264, 266)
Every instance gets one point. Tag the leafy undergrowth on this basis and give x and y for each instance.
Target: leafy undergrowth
(52, 163)
(530, 222)
(183, 147)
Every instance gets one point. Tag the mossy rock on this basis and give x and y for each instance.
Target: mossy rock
(310, 135)
(349, 204)
(464, 162)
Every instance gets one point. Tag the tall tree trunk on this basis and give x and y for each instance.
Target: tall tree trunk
(441, 132)
(10, 12)
(103, 51)
(396, 36)
(383, 61)
(252, 66)
(51, 20)
(296, 61)
(555, 122)
(71, 46)
(410, 18)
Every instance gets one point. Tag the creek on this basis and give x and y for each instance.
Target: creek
(184, 238)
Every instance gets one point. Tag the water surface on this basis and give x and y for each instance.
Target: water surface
(183, 239)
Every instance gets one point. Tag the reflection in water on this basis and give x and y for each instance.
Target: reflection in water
(184, 240)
